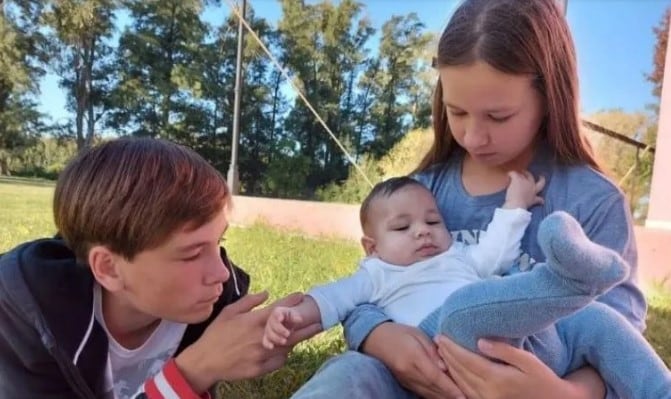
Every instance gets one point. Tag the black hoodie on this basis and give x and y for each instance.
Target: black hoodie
(51, 346)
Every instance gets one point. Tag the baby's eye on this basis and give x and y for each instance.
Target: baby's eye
(400, 228)
(433, 222)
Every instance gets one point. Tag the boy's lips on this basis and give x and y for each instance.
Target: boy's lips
(210, 300)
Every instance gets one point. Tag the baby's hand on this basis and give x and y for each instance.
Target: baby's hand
(279, 326)
(523, 190)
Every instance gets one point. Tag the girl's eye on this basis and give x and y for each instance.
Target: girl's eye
(457, 113)
(499, 118)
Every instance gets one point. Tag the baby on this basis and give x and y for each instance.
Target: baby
(412, 263)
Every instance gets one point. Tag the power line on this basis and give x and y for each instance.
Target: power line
(298, 91)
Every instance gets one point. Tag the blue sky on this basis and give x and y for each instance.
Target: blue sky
(614, 41)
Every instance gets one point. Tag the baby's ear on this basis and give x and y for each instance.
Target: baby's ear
(368, 245)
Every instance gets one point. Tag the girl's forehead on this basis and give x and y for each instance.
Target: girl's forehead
(482, 85)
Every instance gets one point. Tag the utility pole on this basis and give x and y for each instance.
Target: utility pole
(233, 176)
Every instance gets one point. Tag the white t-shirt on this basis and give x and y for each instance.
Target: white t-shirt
(128, 369)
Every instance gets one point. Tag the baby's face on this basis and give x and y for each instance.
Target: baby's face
(407, 227)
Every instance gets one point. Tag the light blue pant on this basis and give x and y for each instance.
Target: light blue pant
(564, 327)
(523, 308)
(353, 375)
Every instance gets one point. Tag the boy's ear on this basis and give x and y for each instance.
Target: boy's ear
(105, 268)
(368, 245)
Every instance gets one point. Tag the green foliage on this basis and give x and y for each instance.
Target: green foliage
(395, 83)
(280, 262)
(285, 177)
(629, 167)
(170, 74)
(45, 158)
(82, 31)
(656, 77)
(355, 188)
(402, 159)
(22, 50)
(159, 68)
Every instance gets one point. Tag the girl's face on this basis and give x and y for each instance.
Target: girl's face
(493, 115)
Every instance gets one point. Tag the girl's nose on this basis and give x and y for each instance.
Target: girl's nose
(475, 134)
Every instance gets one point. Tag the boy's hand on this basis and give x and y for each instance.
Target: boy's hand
(523, 190)
(230, 349)
(280, 325)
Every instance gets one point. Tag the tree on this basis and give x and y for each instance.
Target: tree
(662, 34)
(323, 45)
(22, 55)
(261, 106)
(395, 83)
(82, 30)
(628, 166)
(399, 161)
(158, 71)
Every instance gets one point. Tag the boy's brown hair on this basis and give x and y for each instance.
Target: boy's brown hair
(130, 195)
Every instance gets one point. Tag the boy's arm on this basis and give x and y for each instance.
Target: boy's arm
(499, 246)
(169, 383)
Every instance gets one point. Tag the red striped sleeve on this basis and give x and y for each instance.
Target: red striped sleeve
(169, 384)
(151, 390)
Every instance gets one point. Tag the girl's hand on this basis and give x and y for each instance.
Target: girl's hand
(522, 376)
(413, 360)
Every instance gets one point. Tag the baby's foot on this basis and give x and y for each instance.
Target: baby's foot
(591, 268)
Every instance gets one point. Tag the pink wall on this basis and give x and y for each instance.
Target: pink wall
(659, 212)
(309, 218)
(342, 221)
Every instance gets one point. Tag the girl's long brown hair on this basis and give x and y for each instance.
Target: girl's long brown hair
(516, 37)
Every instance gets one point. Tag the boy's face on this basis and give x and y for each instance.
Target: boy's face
(406, 227)
(179, 280)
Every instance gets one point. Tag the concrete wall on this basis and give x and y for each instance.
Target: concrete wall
(342, 221)
(659, 211)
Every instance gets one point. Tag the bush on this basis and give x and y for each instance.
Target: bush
(402, 159)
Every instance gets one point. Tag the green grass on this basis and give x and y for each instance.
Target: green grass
(278, 262)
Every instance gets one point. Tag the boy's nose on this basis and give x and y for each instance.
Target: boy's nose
(219, 273)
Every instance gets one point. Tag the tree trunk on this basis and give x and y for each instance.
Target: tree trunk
(89, 90)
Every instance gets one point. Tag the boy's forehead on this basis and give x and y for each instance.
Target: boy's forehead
(191, 233)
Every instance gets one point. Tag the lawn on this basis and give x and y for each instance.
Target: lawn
(279, 262)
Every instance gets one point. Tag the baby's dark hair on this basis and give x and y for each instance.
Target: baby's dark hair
(384, 189)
